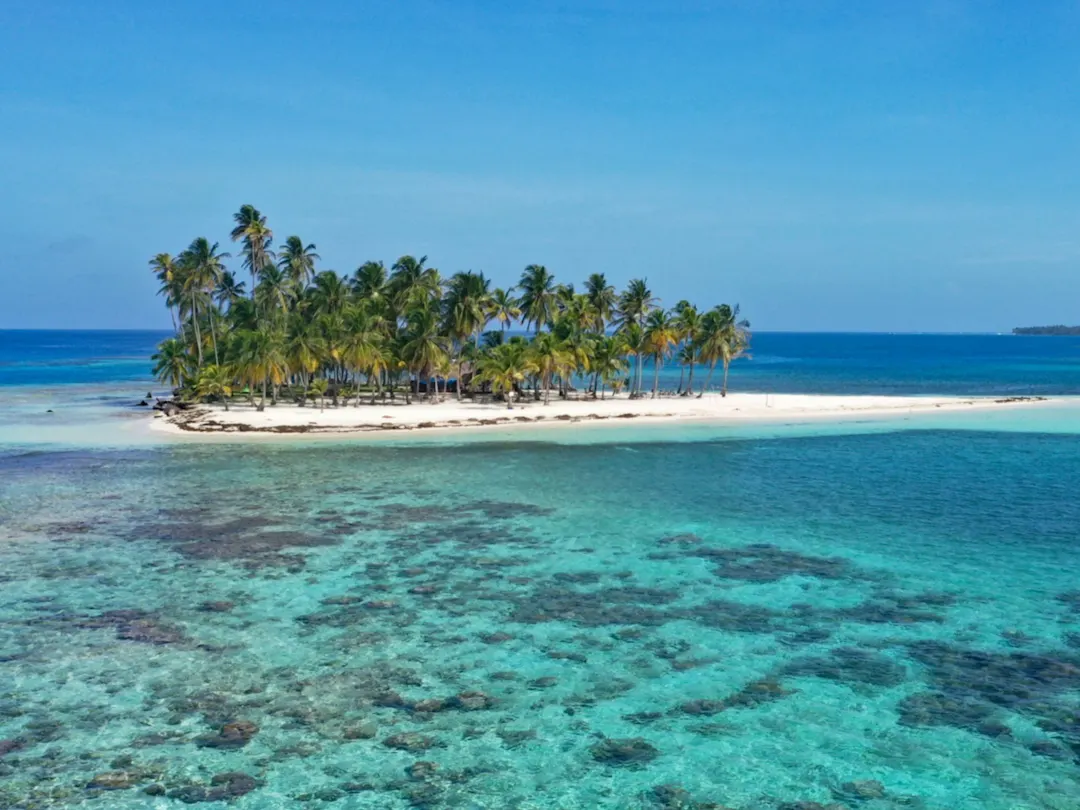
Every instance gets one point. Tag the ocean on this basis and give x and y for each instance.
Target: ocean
(863, 615)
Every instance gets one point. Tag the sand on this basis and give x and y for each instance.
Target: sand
(451, 415)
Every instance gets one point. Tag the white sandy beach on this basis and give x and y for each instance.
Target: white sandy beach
(450, 415)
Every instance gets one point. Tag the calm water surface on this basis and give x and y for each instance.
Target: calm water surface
(861, 616)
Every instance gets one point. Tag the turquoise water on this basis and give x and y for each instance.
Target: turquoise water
(872, 615)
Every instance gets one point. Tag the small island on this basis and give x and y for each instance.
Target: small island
(315, 339)
(1047, 330)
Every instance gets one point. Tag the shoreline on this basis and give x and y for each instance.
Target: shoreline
(450, 416)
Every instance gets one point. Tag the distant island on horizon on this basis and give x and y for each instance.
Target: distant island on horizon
(1047, 330)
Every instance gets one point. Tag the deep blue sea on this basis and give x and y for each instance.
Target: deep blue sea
(780, 362)
(869, 617)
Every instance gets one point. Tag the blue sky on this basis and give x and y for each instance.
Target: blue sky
(830, 165)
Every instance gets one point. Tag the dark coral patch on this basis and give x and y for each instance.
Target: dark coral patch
(850, 665)
(762, 562)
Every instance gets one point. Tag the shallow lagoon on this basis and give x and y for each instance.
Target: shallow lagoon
(776, 618)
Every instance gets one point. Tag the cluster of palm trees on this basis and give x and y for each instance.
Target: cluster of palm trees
(299, 333)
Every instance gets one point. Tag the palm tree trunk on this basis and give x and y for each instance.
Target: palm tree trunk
(637, 377)
(305, 378)
(682, 375)
(195, 323)
(656, 374)
(723, 388)
(547, 388)
(708, 379)
(690, 382)
(262, 403)
(377, 387)
(213, 337)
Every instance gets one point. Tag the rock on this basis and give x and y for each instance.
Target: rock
(143, 404)
(862, 789)
(671, 797)
(236, 734)
(113, 780)
(543, 683)
(495, 638)
(329, 794)
(191, 794)
(473, 701)
(392, 700)
(512, 738)
(703, 707)
(630, 752)
(225, 786)
(430, 705)
(357, 787)
(154, 790)
(409, 741)
(422, 770)
(364, 730)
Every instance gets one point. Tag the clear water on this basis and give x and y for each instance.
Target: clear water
(778, 611)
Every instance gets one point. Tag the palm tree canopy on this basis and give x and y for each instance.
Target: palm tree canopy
(297, 260)
(538, 295)
(636, 301)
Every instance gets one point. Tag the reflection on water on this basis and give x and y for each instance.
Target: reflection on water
(878, 621)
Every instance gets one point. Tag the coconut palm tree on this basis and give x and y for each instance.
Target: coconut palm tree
(172, 363)
(297, 261)
(262, 359)
(167, 273)
(423, 348)
(215, 381)
(688, 319)
(634, 305)
(724, 337)
(547, 354)
(369, 282)
(468, 305)
(304, 350)
(635, 344)
(363, 348)
(228, 290)
(329, 294)
(661, 334)
(504, 307)
(203, 268)
(318, 389)
(603, 298)
(257, 237)
(538, 296)
(275, 292)
(412, 282)
(608, 361)
(505, 367)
